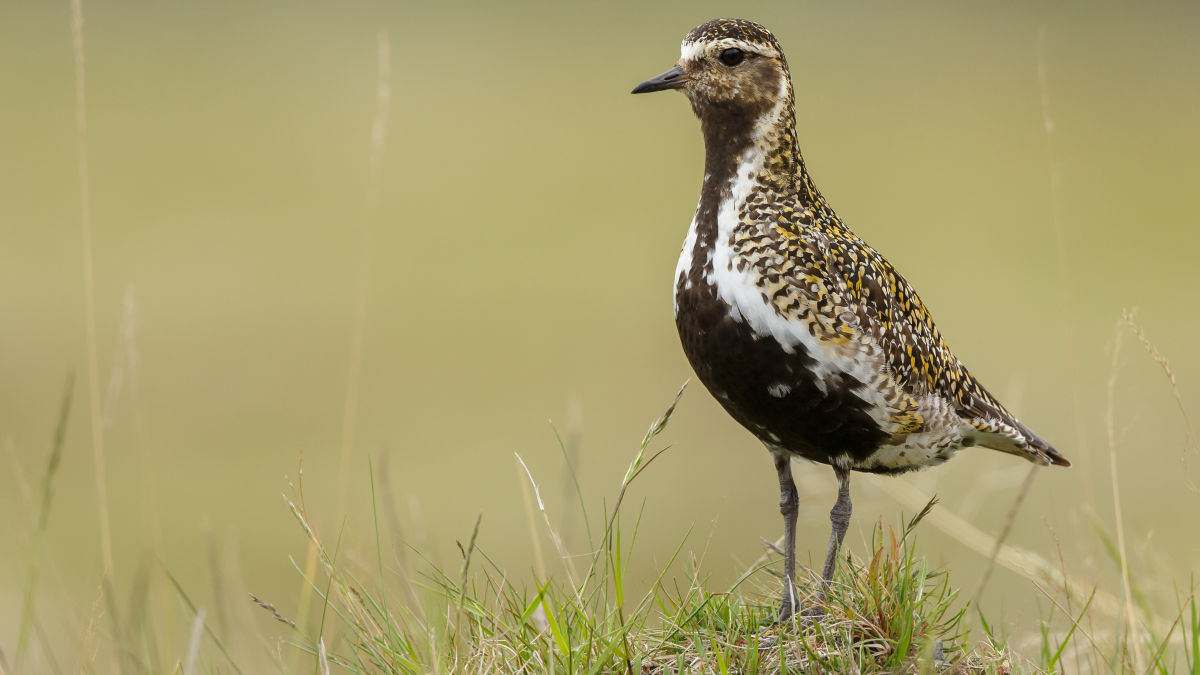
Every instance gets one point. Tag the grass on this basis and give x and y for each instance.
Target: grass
(891, 612)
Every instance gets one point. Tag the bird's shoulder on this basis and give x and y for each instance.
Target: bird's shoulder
(852, 296)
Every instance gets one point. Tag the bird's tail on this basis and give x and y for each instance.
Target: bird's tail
(1001, 431)
(1015, 438)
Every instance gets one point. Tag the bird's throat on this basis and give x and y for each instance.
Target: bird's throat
(745, 149)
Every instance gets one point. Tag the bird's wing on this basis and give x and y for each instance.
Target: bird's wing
(888, 309)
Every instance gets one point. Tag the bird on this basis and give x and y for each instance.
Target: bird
(806, 335)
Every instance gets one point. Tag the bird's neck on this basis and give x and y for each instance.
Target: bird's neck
(761, 148)
(743, 153)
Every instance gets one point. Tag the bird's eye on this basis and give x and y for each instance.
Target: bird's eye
(732, 56)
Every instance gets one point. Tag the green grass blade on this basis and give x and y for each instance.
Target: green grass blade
(207, 628)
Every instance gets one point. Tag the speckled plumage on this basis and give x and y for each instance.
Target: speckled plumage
(873, 354)
(806, 335)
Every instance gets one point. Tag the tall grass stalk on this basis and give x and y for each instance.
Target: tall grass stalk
(1009, 520)
(95, 406)
(89, 286)
(1129, 615)
(379, 126)
(1190, 444)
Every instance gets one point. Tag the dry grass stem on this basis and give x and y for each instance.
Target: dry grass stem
(559, 546)
(1009, 520)
(193, 650)
(89, 287)
(87, 652)
(539, 561)
(1130, 614)
(1190, 440)
(1067, 611)
(323, 657)
(274, 612)
(354, 369)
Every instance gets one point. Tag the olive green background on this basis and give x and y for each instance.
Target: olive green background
(529, 217)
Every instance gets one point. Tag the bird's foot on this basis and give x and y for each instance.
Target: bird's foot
(787, 609)
(809, 615)
(788, 612)
(813, 613)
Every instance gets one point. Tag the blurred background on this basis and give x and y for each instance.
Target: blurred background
(520, 251)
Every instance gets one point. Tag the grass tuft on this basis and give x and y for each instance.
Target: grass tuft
(889, 613)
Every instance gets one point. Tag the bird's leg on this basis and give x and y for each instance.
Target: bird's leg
(839, 516)
(789, 506)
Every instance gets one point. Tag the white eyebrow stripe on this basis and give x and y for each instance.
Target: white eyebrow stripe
(692, 51)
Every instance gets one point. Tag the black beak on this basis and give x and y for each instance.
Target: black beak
(672, 79)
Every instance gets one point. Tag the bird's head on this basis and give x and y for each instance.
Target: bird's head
(727, 67)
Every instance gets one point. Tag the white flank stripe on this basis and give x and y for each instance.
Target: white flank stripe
(685, 263)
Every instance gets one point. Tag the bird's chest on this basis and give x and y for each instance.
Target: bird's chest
(765, 368)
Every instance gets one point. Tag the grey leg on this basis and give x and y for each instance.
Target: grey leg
(789, 506)
(840, 517)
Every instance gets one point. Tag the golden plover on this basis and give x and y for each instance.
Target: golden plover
(805, 334)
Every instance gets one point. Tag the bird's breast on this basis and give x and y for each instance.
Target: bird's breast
(766, 370)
